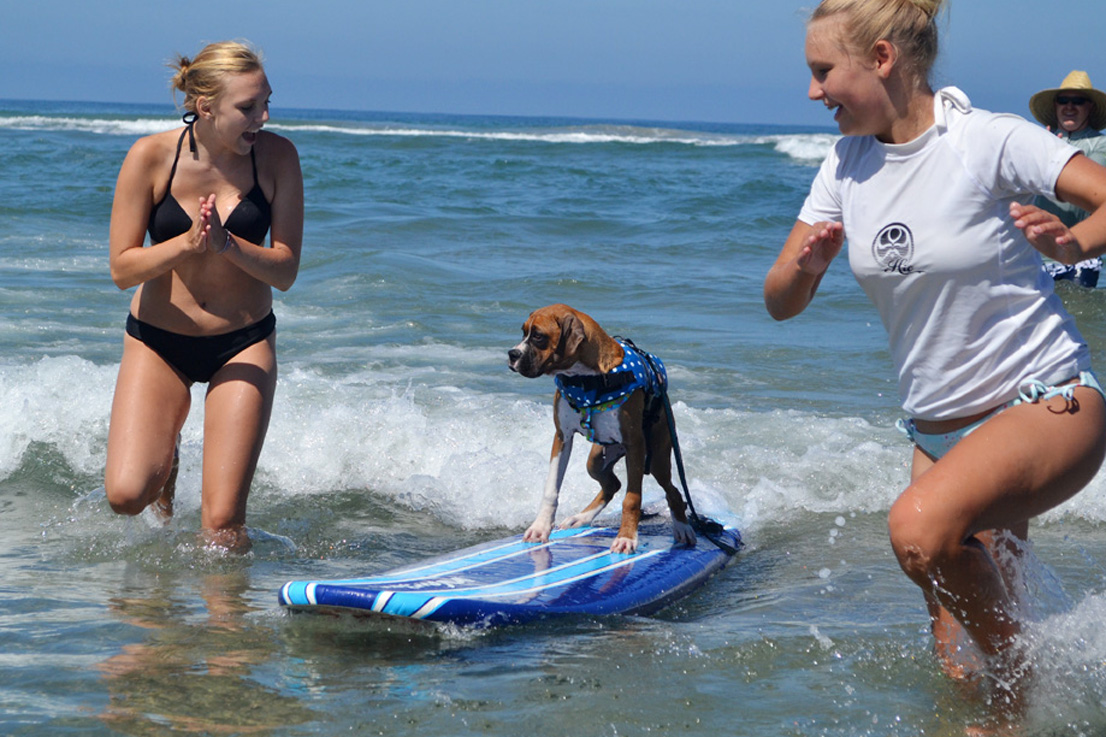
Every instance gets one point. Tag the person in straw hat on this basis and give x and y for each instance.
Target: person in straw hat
(1076, 112)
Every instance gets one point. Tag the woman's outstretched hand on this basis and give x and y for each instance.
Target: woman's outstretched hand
(1046, 233)
(821, 247)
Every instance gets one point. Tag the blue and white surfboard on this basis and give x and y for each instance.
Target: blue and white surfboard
(508, 581)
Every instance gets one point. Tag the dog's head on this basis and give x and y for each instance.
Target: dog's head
(551, 337)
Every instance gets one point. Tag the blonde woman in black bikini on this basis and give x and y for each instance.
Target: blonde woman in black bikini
(208, 195)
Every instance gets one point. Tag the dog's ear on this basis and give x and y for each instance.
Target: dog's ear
(572, 335)
(526, 325)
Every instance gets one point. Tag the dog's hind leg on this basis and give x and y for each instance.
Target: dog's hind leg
(601, 462)
(662, 472)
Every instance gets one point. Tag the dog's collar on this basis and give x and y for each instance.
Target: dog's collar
(610, 390)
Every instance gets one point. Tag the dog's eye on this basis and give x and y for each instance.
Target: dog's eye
(539, 340)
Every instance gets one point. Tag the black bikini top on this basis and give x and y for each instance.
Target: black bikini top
(250, 218)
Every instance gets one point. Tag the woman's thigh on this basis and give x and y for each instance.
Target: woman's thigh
(149, 408)
(1017, 465)
(236, 418)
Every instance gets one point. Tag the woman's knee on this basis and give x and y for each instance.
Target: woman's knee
(921, 544)
(130, 493)
(126, 498)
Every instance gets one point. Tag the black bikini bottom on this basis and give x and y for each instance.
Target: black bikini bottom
(199, 357)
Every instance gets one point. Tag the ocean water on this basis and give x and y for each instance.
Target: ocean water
(400, 433)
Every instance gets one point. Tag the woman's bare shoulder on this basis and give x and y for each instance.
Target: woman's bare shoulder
(155, 148)
(277, 158)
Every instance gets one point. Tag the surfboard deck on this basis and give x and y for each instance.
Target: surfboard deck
(508, 581)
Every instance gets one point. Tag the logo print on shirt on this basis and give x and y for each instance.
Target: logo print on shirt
(893, 248)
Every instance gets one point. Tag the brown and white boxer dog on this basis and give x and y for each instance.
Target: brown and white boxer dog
(570, 346)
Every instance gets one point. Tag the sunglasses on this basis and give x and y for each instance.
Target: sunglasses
(1065, 100)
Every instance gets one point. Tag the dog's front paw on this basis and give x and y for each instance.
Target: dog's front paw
(626, 545)
(537, 534)
(683, 533)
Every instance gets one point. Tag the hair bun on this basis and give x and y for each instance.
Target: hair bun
(930, 7)
(203, 75)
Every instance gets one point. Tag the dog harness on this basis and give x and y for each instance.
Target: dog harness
(592, 393)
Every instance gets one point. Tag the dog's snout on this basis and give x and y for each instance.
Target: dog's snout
(513, 355)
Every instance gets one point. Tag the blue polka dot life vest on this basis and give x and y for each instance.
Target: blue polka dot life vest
(602, 392)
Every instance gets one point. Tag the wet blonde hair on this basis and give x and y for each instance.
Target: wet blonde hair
(910, 25)
(204, 74)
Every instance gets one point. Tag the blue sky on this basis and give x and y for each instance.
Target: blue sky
(738, 61)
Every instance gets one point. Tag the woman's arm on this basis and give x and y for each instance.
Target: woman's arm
(794, 278)
(278, 265)
(1082, 182)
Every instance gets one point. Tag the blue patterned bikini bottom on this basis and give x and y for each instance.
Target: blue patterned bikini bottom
(1030, 391)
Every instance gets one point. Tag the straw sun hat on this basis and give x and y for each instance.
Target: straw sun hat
(1043, 104)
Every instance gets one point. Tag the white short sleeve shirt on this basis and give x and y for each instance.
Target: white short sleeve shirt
(968, 309)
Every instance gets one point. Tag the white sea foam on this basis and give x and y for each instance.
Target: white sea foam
(812, 147)
(806, 147)
(102, 126)
(411, 434)
(573, 134)
(802, 147)
(1068, 652)
(57, 402)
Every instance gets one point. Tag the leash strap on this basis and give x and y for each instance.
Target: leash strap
(709, 528)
